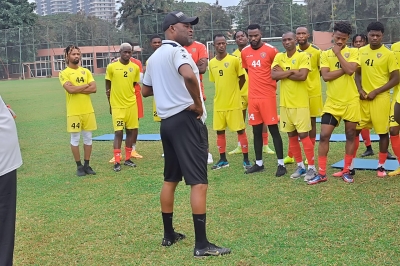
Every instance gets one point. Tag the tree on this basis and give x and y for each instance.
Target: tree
(16, 13)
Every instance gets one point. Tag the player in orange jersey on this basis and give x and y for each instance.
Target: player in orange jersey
(257, 59)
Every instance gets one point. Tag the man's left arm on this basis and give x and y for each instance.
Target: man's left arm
(304, 68)
(393, 79)
(92, 84)
(202, 64)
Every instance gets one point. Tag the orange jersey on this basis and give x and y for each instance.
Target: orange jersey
(258, 64)
(198, 50)
(137, 86)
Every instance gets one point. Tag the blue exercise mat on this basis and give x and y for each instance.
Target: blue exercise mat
(142, 137)
(368, 164)
(342, 138)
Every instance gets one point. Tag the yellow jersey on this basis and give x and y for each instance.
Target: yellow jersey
(293, 94)
(396, 50)
(122, 78)
(245, 89)
(225, 74)
(77, 103)
(376, 66)
(314, 78)
(343, 90)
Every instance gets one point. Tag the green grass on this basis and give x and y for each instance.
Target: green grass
(114, 219)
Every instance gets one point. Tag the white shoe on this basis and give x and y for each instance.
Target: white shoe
(162, 155)
(210, 159)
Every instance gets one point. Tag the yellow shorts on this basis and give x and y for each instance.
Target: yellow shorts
(315, 106)
(125, 118)
(375, 114)
(245, 102)
(76, 123)
(156, 118)
(232, 118)
(292, 119)
(392, 122)
(350, 112)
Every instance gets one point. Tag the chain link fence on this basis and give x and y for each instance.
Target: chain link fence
(37, 51)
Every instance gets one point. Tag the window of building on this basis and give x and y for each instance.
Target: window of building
(87, 61)
(59, 63)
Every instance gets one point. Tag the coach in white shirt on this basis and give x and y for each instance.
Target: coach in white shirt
(173, 77)
(10, 160)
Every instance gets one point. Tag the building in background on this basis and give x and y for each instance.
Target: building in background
(103, 9)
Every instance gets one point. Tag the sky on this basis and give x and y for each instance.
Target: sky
(220, 2)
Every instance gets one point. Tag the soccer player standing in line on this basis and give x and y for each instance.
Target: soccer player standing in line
(121, 78)
(198, 51)
(360, 40)
(175, 84)
(313, 82)
(228, 75)
(338, 65)
(78, 83)
(292, 68)
(394, 128)
(257, 59)
(377, 74)
(242, 41)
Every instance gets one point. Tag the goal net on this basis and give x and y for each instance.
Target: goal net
(231, 45)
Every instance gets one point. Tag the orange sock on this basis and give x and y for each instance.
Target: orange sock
(322, 165)
(265, 138)
(221, 143)
(128, 152)
(313, 141)
(382, 158)
(395, 140)
(117, 155)
(308, 150)
(366, 137)
(348, 159)
(356, 145)
(294, 146)
(244, 143)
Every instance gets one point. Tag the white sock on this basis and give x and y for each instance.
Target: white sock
(301, 165)
(312, 167)
(239, 144)
(351, 165)
(259, 162)
(133, 146)
(380, 165)
(280, 162)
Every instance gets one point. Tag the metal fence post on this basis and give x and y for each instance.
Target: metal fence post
(20, 52)
(140, 39)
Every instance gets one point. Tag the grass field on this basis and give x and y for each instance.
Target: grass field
(114, 218)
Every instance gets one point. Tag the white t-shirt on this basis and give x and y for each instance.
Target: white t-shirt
(170, 92)
(10, 154)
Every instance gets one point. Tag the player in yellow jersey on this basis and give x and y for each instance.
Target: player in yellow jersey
(242, 41)
(228, 75)
(292, 68)
(377, 74)
(338, 65)
(394, 128)
(121, 78)
(313, 82)
(78, 83)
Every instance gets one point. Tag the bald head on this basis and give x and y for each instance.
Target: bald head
(302, 29)
(289, 34)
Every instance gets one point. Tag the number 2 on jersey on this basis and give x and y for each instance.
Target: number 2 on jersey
(125, 74)
(256, 63)
(221, 73)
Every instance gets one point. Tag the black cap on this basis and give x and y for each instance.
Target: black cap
(178, 17)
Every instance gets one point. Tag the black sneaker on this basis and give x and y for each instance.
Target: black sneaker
(166, 242)
(117, 167)
(129, 163)
(210, 250)
(80, 171)
(367, 153)
(281, 171)
(390, 156)
(89, 170)
(254, 169)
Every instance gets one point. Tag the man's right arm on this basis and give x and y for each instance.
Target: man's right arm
(71, 89)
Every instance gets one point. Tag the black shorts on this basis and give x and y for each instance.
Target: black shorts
(185, 140)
